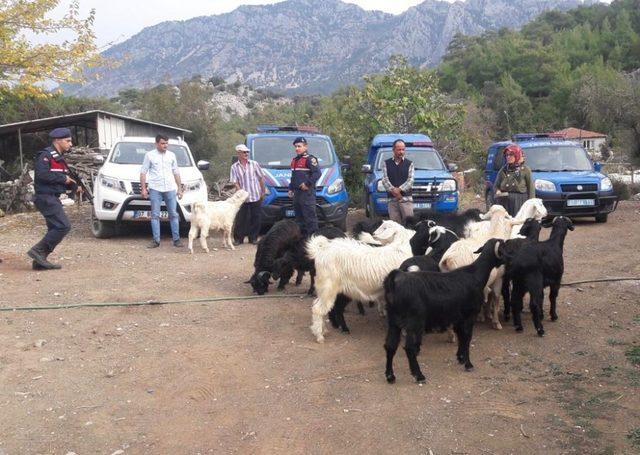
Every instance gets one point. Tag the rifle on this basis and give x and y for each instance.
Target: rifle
(79, 182)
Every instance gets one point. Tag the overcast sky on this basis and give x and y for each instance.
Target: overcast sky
(118, 20)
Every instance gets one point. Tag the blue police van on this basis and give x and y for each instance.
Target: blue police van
(272, 148)
(434, 187)
(566, 179)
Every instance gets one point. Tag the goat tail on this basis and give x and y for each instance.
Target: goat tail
(390, 285)
(316, 244)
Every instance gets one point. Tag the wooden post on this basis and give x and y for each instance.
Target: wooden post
(20, 147)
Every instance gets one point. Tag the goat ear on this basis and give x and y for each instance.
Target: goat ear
(570, 225)
(431, 223)
(479, 250)
(498, 249)
(515, 222)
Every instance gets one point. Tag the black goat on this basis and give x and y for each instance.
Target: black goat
(282, 236)
(296, 259)
(531, 231)
(457, 222)
(419, 301)
(420, 263)
(535, 266)
(367, 225)
(429, 236)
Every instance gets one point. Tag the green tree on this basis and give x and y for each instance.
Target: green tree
(24, 65)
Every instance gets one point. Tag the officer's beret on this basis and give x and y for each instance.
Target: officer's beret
(60, 133)
(299, 139)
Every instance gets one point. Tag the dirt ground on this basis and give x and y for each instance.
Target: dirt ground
(246, 376)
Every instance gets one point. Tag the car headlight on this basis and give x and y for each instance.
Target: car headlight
(192, 186)
(112, 183)
(448, 185)
(605, 184)
(380, 187)
(336, 186)
(544, 185)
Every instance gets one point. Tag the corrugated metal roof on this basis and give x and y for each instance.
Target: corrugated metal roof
(79, 119)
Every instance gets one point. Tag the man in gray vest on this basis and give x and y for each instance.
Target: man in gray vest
(398, 181)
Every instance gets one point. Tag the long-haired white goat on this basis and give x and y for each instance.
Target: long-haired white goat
(461, 253)
(350, 267)
(216, 215)
(531, 208)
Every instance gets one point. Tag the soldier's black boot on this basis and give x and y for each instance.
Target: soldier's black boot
(39, 253)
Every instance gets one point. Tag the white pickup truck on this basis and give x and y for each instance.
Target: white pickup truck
(116, 189)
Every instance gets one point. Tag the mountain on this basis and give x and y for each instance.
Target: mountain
(302, 46)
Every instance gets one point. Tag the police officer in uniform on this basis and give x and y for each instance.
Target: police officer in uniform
(304, 175)
(51, 180)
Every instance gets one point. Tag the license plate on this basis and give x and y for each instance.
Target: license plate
(581, 202)
(146, 215)
(290, 213)
(422, 205)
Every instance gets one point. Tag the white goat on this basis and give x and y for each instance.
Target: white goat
(350, 267)
(532, 208)
(461, 253)
(217, 215)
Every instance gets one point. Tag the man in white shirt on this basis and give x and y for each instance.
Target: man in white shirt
(164, 184)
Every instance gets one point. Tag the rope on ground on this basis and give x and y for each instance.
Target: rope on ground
(230, 298)
(154, 302)
(600, 280)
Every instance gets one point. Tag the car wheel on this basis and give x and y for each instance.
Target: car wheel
(102, 229)
(602, 218)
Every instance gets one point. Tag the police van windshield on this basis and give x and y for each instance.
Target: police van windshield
(133, 153)
(277, 152)
(557, 158)
(425, 159)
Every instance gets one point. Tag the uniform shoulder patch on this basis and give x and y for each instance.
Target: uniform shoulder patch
(314, 161)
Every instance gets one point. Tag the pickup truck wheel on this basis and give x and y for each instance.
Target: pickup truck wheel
(102, 229)
(602, 218)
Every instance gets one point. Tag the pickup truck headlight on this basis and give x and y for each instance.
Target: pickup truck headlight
(605, 184)
(544, 185)
(380, 187)
(192, 186)
(336, 186)
(112, 183)
(448, 185)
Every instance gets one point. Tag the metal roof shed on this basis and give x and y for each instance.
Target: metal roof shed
(94, 129)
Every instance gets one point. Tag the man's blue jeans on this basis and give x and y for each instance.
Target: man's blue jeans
(171, 202)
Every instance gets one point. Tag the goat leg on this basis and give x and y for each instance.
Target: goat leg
(312, 288)
(553, 298)
(506, 297)
(412, 349)
(360, 308)
(299, 275)
(516, 304)
(391, 346)
(340, 304)
(534, 283)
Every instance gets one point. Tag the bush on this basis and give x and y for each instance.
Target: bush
(624, 191)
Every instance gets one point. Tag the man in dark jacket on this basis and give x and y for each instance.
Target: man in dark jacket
(398, 181)
(51, 180)
(304, 175)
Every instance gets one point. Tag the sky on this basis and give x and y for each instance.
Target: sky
(118, 20)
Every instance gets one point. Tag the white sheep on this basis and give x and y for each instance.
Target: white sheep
(350, 267)
(461, 253)
(532, 208)
(216, 215)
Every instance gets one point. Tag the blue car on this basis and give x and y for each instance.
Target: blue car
(272, 147)
(434, 187)
(567, 181)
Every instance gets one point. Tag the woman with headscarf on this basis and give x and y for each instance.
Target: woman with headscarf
(514, 183)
